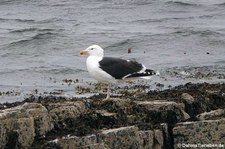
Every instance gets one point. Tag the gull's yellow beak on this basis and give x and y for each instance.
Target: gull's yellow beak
(83, 52)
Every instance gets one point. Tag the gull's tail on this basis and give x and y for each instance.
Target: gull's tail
(143, 74)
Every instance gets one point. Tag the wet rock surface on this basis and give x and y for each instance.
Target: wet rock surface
(200, 133)
(189, 114)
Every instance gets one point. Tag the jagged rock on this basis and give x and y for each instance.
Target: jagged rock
(159, 111)
(187, 97)
(150, 139)
(106, 113)
(80, 142)
(42, 121)
(117, 105)
(63, 110)
(146, 139)
(16, 128)
(22, 123)
(123, 138)
(200, 132)
(212, 115)
(95, 123)
(70, 117)
(131, 137)
(107, 118)
(158, 139)
(16, 132)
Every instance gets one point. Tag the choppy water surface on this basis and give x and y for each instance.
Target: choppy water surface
(40, 40)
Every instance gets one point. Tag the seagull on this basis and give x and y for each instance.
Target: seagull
(111, 70)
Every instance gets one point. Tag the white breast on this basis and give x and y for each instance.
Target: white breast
(96, 72)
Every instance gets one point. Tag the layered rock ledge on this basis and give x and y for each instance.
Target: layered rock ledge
(192, 114)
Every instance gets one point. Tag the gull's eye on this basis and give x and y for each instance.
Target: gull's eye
(92, 48)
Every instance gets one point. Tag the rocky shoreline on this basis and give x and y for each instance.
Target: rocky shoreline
(190, 115)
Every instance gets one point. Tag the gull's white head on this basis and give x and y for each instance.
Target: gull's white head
(93, 50)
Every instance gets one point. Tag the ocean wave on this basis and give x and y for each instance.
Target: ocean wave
(24, 20)
(42, 70)
(140, 2)
(5, 2)
(4, 19)
(220, 4)
(18, 20)
(14, 70)
(58, 70)
(196, 3)
(132, 2)
(31, 30)
(44, 35)
(120, 44)
(204, 33)
(38, 36)
(156, 20)
(56, 3)
(182, 3)
(50, 20)
(23, 30)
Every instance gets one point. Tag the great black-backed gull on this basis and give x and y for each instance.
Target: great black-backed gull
(110, 70)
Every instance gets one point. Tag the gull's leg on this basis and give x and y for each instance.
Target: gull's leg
(108, 91)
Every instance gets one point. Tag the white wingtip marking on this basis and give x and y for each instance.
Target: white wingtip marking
(157, 73)
(146, 77)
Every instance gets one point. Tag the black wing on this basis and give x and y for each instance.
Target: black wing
(118, 68)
